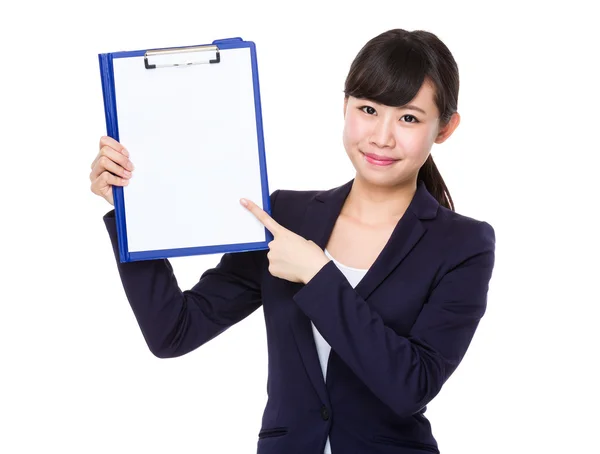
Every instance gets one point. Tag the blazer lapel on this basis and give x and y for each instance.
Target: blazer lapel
(319, 220)
(405, 236)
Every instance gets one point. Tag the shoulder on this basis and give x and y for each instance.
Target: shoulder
(459, 226)
(280, 196)
(463, 239)
(289, 206)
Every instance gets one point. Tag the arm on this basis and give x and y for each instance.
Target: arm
(405, 372)
(175, 322)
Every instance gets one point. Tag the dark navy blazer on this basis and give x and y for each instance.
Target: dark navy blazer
(395, 338)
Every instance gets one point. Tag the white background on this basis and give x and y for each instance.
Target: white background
(76, 375)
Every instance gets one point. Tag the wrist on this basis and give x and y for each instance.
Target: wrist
(318, 266)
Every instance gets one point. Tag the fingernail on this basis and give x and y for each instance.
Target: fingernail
(126, 152)
(244, 202)
(130, 165)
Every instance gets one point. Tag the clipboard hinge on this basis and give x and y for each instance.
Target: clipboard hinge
(182, 56)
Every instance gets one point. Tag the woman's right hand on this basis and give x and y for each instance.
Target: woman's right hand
(110, 167)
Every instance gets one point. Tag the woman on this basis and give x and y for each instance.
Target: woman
(371, 291)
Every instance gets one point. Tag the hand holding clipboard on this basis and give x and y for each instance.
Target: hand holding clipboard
(111, 167)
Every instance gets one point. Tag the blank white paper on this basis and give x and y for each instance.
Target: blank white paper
(191, 134)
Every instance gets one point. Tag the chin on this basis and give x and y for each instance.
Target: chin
(378, 178)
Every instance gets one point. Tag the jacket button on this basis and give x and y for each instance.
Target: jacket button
(324, 413)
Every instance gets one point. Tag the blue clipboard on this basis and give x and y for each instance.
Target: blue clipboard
(191, 119)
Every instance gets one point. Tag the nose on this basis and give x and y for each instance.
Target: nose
(382, 134)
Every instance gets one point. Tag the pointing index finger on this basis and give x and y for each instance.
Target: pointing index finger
(262, 216)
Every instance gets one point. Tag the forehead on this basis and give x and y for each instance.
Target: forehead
(425, 99)
(426, 94)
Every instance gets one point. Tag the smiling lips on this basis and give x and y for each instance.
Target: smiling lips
(378, 159)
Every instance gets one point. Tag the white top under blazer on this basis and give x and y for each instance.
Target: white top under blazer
(354, 276)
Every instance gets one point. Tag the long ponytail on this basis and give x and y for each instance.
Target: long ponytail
(434, 183)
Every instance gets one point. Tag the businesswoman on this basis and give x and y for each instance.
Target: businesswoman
(371, 291)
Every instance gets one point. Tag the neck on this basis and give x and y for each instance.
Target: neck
(375, 205)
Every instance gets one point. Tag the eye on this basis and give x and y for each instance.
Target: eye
(368, 110)
(412, 117)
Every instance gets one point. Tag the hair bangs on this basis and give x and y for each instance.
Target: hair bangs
(391, 76)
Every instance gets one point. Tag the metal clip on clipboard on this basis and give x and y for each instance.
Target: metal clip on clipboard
(181, 56)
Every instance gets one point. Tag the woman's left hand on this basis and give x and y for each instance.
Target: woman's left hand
(291, 257)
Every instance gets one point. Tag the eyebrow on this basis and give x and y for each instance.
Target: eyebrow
(413, 107)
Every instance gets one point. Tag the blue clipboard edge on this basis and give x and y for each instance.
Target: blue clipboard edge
(112, 127)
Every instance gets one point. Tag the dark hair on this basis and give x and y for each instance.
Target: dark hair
(390, 70)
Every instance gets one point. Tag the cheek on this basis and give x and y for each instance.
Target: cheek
(413, 144)
(416, 145)
(353, 131)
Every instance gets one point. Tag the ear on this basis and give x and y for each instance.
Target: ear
(345, 105)
(448, 129)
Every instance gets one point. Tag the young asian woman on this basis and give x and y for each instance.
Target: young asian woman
(371, 291)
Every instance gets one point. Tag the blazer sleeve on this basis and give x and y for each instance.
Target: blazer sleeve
(405, 372)
(175, 322)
